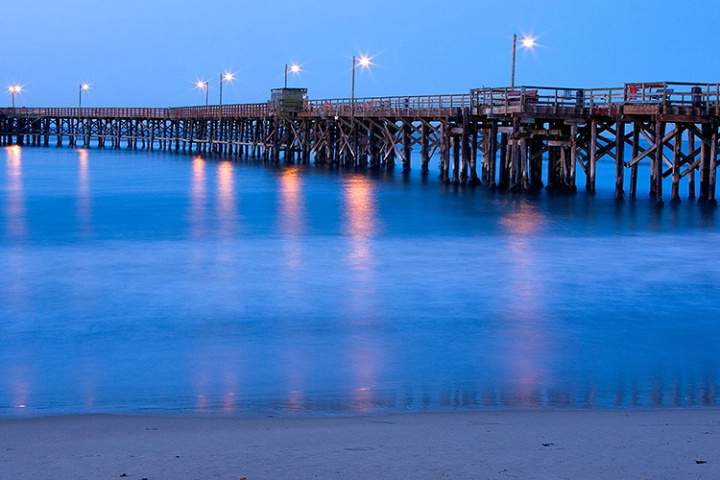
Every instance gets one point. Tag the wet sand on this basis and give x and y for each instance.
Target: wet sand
(572, 444)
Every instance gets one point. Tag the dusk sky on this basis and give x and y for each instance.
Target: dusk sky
(152, 52)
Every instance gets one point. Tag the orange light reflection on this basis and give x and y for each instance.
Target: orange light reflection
(84, 200)
(15, 292)
(361, 223)
(15, 207)
(364, 354)
(227, 208)
(291, 223)
(292, 216)
(198, 212)
(527, 336)
(292, 220)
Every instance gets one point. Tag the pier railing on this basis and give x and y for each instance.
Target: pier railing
(677, 94)
(504, 100)
(419, 105)
(87, 112)
(214, 111)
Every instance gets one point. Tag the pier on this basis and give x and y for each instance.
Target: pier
(499, 137)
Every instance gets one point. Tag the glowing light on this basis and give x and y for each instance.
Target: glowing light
(201, 84)
(364, 61)
(14, 89)
(294, 68)
(228, 76)
(84, 86)
(527, 42)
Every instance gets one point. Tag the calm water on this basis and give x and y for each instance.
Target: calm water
(136, 282)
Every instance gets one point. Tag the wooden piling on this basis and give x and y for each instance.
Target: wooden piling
(658, 164)
(619, 159)
(407, 147)
(504, 176)
(691, 174)
(706, 152)
(424, 147)
(712, 174)
(592, 159)
(635, 152)
(677, 152)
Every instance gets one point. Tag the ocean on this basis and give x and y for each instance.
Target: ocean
(165, 283)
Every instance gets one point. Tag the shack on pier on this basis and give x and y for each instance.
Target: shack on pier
(287, 100)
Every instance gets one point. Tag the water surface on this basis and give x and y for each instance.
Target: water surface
(153, 282)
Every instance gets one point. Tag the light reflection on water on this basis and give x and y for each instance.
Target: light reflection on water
(84, 198)
(135, 282)
(198, 201)
(524, 309)
(364, 352)
(14, 205)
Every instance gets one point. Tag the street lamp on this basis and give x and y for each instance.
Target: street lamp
(294, 68)
(227, 76)
(14, 89)
(364, 62)
(83, 86)
(525, 42)
(203, 85)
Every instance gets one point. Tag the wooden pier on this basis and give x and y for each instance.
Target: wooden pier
(514, 134)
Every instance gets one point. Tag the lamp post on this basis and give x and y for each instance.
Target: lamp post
(14, 89)
(364, 62)
(294, 68)
(526, 42)
(224, 77)
(203, 85)
(227, 76)
(83, 86)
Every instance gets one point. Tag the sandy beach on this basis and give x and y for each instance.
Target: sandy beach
(576, 444)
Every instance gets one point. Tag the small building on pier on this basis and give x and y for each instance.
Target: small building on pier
(287, 101)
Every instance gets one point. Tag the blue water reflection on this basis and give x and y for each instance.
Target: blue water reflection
(134, 282)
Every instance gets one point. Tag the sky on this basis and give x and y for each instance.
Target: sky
(151, 53)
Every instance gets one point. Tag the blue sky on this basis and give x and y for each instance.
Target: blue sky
(151, 52)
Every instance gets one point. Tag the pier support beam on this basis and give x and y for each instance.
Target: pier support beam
(677, 151)
(592, 158)
(489, 157)
(658, 163)
(619, 159)
(706, 153)
(424, 148)
(407, 147)
(712, 175)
